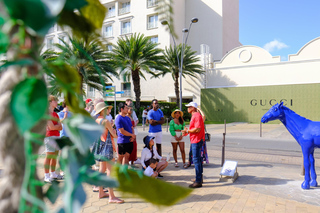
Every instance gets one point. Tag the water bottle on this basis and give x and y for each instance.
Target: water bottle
(168, 157)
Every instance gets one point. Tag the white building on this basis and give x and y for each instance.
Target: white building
(218, 29)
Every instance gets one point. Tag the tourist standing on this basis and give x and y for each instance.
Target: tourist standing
(156, 119)
(126, 134)
(144, 116)
(197, 136)
(51, 146)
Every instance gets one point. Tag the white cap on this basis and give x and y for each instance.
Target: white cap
(192, 104)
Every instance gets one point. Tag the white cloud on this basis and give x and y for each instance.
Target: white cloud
(274, 45)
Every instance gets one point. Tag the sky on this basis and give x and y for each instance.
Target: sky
(282, 27)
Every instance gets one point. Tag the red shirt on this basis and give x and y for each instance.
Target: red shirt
(196, 122)
(53, 132)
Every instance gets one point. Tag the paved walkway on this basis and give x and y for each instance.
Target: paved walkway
(268, 182)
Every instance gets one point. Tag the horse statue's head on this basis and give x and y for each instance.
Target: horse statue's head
(274, 113)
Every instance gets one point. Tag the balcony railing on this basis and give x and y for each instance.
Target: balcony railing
(124, 10)
(125, 31)
(111, 13)
(152, 3)
(152, 25)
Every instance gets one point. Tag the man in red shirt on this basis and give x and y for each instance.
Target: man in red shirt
(196, 131)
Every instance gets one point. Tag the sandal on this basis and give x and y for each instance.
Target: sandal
(116, 200)
(186, 165)
(176, 165)
(97, 189)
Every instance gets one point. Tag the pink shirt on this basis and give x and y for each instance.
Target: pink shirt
(196, 122)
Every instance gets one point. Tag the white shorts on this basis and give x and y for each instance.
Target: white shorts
(157, 136)
(173, 139)
(51, 144)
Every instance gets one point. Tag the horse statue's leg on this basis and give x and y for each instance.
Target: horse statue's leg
(313, 181)
(306, 183)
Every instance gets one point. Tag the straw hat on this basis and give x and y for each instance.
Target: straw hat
(101, 106)
(181, 113)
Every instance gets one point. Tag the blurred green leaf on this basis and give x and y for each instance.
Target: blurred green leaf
(71, 5)
(64, 141)
(53, 192)
(83, 131)
(4, 42)
(20, 62)
(152, 190)
(2, 21)
(94, 7)
(28, 103)
(98, 179)
(74, 195)
(39, 15)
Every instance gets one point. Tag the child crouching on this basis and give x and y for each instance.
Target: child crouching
(150, 169)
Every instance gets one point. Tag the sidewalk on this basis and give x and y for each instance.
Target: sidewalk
(267, 182)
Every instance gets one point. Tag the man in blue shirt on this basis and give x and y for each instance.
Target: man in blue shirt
(125, 134)
(156, 119)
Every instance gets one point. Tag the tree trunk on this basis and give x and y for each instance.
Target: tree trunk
(176, 87)
(12, 152)
(136, 87)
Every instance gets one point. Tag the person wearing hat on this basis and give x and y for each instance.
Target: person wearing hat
(104, 149)
(150, 151)
(197, 136)
(176, 125)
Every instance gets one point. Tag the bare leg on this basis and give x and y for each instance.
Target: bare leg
(47, 161)
(183, 154)
(161, 166)
(125, 159)
(174, 152)
(112, 197)
(102, 169)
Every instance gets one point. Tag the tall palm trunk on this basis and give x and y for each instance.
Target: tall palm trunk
(11, 142)
(136, 86)
(176, 87)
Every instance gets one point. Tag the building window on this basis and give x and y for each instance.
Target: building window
(109, 47)
(108, 31)
(91, 92)
(49, 43)
(52, 29)
(154, 39)
(125, 27)
(126, 88)
(125, 8)
(62, 38)
(111, 11)
(152, 3)
(152, 22)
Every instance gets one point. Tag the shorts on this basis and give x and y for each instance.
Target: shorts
(157, 137)
(173, 139)
(51, 144)
(124, 148)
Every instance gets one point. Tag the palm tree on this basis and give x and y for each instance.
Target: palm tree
(135, 54)
(190, 67)
(89, 58)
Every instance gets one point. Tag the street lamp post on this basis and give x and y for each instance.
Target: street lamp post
(184, 42)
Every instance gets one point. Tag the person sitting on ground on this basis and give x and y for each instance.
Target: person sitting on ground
(150, 151)
(150, 169)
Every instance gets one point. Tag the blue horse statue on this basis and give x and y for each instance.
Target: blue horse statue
(306, 133)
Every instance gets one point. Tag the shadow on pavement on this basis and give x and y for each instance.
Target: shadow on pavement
(253, 180)
(255, 165)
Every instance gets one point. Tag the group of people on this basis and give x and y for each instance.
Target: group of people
(123, 128)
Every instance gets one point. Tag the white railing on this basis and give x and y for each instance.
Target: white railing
(111, 13)
(152, 3)
(125, 30)
(127, 93)
(124, 10)
(152, 25)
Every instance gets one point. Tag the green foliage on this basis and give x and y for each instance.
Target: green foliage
(36, 14)
(156, 191)
(134, 55)
(21, 62)
(4, 42)
(28, 103)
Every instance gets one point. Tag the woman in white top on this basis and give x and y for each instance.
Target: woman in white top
(150, 151)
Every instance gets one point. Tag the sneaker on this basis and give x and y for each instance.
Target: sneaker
(48, 180)
(160, 176)
(55, 176)
(195, 185)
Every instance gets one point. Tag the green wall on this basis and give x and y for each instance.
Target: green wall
(249, 104)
